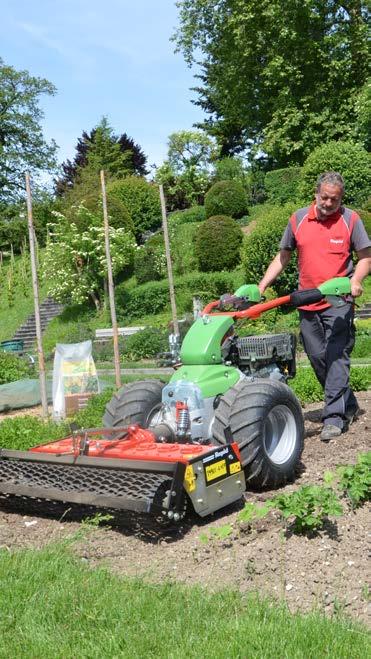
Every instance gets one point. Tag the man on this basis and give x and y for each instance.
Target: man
(324, 235)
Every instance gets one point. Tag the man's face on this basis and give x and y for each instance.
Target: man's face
(328, 200)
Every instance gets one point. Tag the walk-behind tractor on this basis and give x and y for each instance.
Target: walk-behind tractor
(225, 422)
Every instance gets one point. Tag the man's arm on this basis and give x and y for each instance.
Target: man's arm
(363, 268)
(274, 269)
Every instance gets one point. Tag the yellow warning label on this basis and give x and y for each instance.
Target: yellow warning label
(234, 467)
(189, 479)
(215, 470)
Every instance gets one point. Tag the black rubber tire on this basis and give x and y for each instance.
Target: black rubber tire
(257, 412)
(134, 403)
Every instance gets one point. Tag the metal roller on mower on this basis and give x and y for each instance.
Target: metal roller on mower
(226, 422)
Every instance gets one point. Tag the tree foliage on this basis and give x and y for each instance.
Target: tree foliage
(22, 144)
(102, 149)
(350, 159)
(185, 174)
(280, 77)
(75, 265)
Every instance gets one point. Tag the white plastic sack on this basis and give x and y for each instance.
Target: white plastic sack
(74, 372)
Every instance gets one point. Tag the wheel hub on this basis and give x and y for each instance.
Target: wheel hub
(280, 434)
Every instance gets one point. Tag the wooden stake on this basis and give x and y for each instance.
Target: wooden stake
(168, 261)
(110, 285)
(35, 284)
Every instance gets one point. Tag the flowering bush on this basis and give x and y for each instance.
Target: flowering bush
(75, 265)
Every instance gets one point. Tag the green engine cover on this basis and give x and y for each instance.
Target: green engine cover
(212, 380)
(202, 343)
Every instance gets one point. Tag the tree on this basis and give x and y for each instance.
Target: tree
(185, 174)
(75, 266)
(101, 149)
(22, 144)
(278, 77)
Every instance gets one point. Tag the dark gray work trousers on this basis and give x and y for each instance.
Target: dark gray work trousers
(328, 337)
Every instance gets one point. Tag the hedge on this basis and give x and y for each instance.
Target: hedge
(153, 298)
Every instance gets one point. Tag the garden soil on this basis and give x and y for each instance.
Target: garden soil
(329, 572)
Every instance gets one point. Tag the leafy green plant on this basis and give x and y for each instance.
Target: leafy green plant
(22, 432)
(146, 343)
(226, 198)
(216, 533)
(251, 511)
(218, 244)
(355, 480)
(13, 368)
(308, 389)
(309, 507)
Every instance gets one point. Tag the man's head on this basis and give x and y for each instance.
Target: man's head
(329, 193)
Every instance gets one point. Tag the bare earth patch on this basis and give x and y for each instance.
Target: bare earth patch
(329, 571)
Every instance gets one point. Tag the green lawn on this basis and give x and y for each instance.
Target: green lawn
(54, 606)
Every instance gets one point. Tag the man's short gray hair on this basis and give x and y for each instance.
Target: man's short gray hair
(331, 178)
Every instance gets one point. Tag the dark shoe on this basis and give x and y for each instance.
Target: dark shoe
(330, 432)
(353, 413)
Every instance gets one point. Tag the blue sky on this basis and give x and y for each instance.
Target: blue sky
(110, 58)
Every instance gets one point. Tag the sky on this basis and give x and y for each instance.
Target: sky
(112, 58)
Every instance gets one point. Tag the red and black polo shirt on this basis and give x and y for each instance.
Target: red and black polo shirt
(324, 246)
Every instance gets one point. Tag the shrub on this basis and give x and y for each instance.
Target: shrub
(153, 298)
(12, 368)
(146, 343)
(150, 261)
(182, 245)
(230, 168)
(226, 198)
(142, 201)
(349, 159)
(188, 216)
(281, 185)
(218, 244)
(262, 244)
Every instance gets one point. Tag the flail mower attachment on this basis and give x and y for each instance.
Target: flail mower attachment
(126, 469)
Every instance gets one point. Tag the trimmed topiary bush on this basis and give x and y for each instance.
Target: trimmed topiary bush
(226, 198)
(262, 244)
(218, 244)
(349, 159)
(188, 216)
(142, 201)
(281, 185)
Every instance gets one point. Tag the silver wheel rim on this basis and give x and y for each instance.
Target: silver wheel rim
(280, 434)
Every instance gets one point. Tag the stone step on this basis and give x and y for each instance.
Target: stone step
(49, 309)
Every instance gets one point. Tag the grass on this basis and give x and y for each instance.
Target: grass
(15, 309)
(53, 605)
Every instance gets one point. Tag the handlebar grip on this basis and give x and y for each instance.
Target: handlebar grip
(308, 296)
